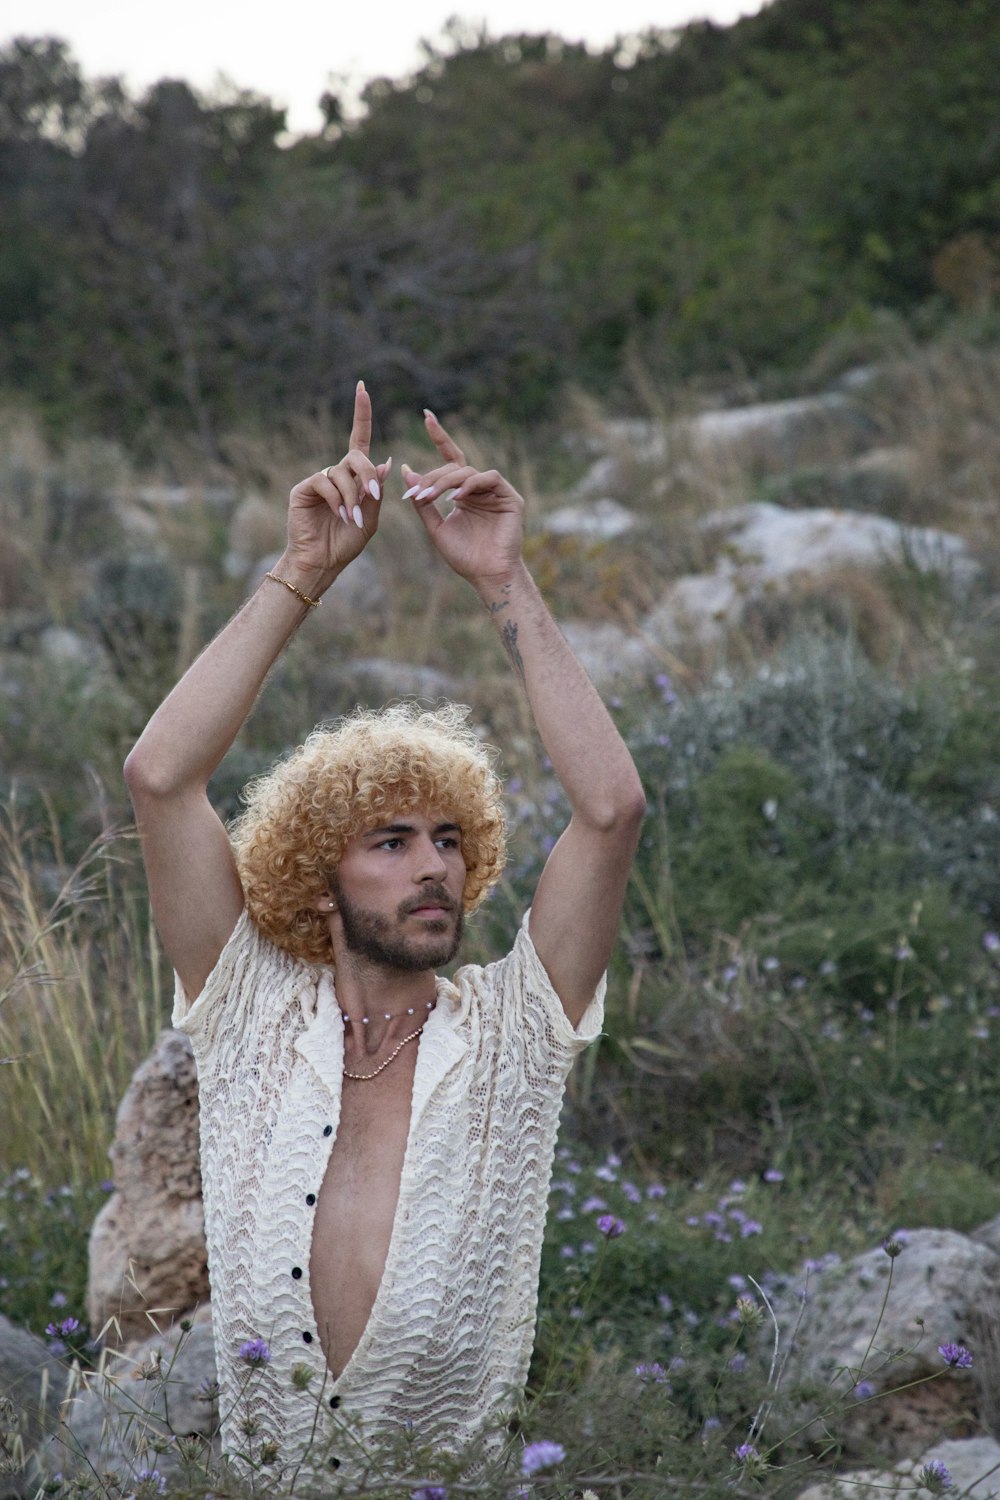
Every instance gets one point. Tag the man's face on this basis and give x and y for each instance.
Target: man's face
(398, 892)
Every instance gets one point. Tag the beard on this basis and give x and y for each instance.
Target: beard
(370, 935)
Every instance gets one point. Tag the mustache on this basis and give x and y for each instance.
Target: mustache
(432, 895)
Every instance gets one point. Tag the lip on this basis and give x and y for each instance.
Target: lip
(430, 911)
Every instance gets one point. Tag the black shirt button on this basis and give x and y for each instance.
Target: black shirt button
(296, 1272)
(334, 1402)
(307, 1338)
(328, 1130)
(310, 1199)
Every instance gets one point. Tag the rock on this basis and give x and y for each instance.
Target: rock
(125, 1414)
(943, 1286)
(803, 430)
(765, 549)
(34, 1382)
(147, 1245)
(988, 1234)
(69, 648)
(612, 659)
(973, 1463)
(599, 521)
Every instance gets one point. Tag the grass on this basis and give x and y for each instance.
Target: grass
(804, 1011)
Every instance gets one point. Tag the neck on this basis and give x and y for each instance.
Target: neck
(394, 1002)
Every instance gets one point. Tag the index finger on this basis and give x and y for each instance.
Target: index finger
(361, 432)
(446, 446)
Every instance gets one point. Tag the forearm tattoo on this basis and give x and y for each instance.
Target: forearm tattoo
(509, 637)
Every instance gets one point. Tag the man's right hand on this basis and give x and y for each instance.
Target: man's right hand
(332, 515)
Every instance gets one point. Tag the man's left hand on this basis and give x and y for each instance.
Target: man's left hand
(482, 535)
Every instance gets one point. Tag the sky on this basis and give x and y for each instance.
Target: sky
(294, 50)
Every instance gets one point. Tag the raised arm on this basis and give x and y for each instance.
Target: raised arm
(575, 913)
(193, 885)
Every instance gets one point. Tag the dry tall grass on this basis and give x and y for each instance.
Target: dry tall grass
(81, 1000)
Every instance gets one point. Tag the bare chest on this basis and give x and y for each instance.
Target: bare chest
(356, 1207)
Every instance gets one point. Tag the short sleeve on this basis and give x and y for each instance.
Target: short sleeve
(527, 998)
(227, 1010)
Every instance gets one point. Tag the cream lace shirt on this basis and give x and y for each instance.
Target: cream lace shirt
(448, 1342)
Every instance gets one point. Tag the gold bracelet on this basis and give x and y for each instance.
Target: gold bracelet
(312, 603)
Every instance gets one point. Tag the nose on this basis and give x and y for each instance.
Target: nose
(430, 863)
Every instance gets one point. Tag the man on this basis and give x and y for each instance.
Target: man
(377, 1142)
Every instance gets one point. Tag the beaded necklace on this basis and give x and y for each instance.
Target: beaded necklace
(367, 1077)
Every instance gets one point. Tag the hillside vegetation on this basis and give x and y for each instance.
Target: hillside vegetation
(727, 202)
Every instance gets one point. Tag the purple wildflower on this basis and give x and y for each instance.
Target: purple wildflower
(863, 1391)
(773, 1175)
(541, 1455)
(151, 1481)
(745, 1452)
(955, 1355)
(64, 1329)
(430, 1492)
(653, 1374)
(991, 942)
(256, 1353)
(610, 1226)
(656, 1190)
(631, 1192)
(592, 1205)
(935, 1477)
(58, 1299)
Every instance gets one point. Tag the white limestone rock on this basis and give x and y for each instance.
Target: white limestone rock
(599, 520)
(973, 1464)
(764, 549)
(943, 1285)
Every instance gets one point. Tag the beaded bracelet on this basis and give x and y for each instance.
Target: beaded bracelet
(312, 603)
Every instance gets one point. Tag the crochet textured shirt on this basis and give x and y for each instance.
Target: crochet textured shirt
(449, 1339)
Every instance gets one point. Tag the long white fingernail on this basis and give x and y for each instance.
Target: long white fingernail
(449, 495)
(343, 514)
(409, 494)
(374, 490)
(388, 467)
(425, 492)
(358, 518)
(429, 413)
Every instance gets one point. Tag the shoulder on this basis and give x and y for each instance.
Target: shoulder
(515, 995)
(252, 980)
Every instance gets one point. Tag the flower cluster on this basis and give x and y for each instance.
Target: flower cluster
(752, 1463)
(541, 1455)
(62, 1330)
(935, 1477)
(255, 1353)
(955, 1355)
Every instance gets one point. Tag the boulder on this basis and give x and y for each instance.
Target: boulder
(972, 1463)
(147, 1245)
(597, 521)
(612, 659)
(944, 1286)
(806, 429)
(764, 549)
(153, 1406)
(32, 1385)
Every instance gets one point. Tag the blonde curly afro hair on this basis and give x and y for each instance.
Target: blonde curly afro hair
(345, 779)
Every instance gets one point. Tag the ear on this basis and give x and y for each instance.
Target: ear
(326, 905)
